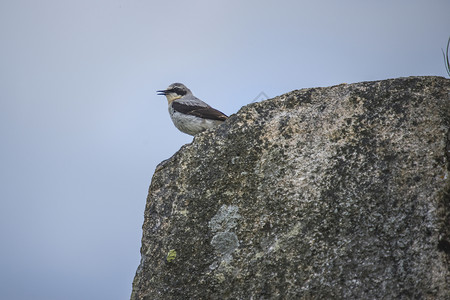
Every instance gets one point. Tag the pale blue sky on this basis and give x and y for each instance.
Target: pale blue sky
(82, 128)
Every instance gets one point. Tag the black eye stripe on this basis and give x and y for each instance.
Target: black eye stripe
(178, 91)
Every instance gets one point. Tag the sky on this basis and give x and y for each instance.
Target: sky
(82, 129)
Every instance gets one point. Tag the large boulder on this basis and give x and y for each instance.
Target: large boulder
(337, 193)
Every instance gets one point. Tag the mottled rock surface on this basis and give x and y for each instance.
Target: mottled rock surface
(335, 193)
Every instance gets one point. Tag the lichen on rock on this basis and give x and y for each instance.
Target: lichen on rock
(332, 193)
(225, 241)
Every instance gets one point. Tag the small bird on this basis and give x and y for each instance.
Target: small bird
(190, 114)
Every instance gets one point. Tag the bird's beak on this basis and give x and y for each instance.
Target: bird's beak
(162, 93)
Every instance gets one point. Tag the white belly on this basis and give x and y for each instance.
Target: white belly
(191, 124)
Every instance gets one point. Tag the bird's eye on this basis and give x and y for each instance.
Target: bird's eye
(179, 91)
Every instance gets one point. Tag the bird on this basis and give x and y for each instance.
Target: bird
(188, 113)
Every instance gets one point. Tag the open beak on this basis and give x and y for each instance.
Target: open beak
(162, 93)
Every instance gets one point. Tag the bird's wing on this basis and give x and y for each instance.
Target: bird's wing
(205, 112)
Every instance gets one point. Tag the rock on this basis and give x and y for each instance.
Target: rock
(333, 193)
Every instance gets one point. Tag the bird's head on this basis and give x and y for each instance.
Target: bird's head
(174, 91)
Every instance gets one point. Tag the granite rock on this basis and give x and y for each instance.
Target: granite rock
(340, 192)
